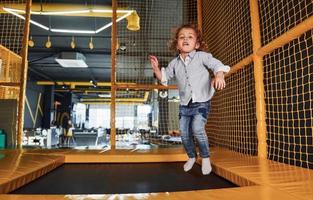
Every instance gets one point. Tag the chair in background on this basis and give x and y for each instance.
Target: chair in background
(101, 136)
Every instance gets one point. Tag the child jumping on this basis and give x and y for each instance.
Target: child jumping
(195, 87)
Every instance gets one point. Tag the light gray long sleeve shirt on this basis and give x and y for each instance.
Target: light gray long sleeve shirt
(193, 78)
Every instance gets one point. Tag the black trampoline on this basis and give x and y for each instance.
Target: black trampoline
(122, 179)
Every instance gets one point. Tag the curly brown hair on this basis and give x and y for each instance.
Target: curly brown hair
(173, 42)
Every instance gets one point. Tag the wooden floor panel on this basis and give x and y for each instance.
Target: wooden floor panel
(266, 179)
(240, 168)
(117, 156)
(18, 168)
(244, 193)
(302, 189)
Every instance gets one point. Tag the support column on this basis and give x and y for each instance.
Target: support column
(23, 78)
(258, 77)
(113, 74)
(199, 14)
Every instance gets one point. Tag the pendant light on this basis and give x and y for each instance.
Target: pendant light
(31, 42)
(73, 44)
(48, 43)
(133, 22)
(91, 44)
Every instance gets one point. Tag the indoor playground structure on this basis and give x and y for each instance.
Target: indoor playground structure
(260, 127)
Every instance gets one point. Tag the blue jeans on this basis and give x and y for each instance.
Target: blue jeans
(192, 120)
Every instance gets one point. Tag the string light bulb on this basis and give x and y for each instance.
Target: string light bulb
(73, 45)
(48, 43)
(91, 44)
(31, 42)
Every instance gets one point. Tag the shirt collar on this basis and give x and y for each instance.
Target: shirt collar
(190, 55)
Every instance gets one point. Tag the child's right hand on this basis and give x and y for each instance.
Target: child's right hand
(154, 62)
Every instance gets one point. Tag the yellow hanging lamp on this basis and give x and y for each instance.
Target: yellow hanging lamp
(133, 22)
(48, 43)
(31, 42)
(91, 46)
(73, 44)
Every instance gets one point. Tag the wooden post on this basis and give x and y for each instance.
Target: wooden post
(258, 76)
(199, 14)
(113, 75)
(23, 78)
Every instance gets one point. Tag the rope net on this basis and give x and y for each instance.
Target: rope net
(227, 30)
(289, 101)
(11, 28)
(150, 117)
(232, 120)
(277, 17)
(287, 80)
(11, 35)
(288, 83)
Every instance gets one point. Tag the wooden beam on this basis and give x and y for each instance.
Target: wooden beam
(119, 85)
(242, 64)
(113, 75)
(23, 78)
(9, 84)
(144, 86)
(258, 78)
(109, 103)
(144, 99)
(287, 37)
(199, 14)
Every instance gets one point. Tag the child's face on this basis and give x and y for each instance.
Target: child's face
(187, 40)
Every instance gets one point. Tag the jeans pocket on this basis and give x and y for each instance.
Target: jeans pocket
(204, 112)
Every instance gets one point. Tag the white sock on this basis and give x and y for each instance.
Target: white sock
(206, 166)
(188, 165)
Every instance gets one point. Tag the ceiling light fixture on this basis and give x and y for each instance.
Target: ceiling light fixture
(48, 43)
(110, 24)
(90, 44)
(110, 11)
(133, 21)
(72, 60)
(22, 17)
(31, 42)
(69, 11)
(50, 13)
(61, 12)
(105, 95)
(73, 44)
(72, 31)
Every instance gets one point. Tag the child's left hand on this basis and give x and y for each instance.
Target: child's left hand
(219, 82)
